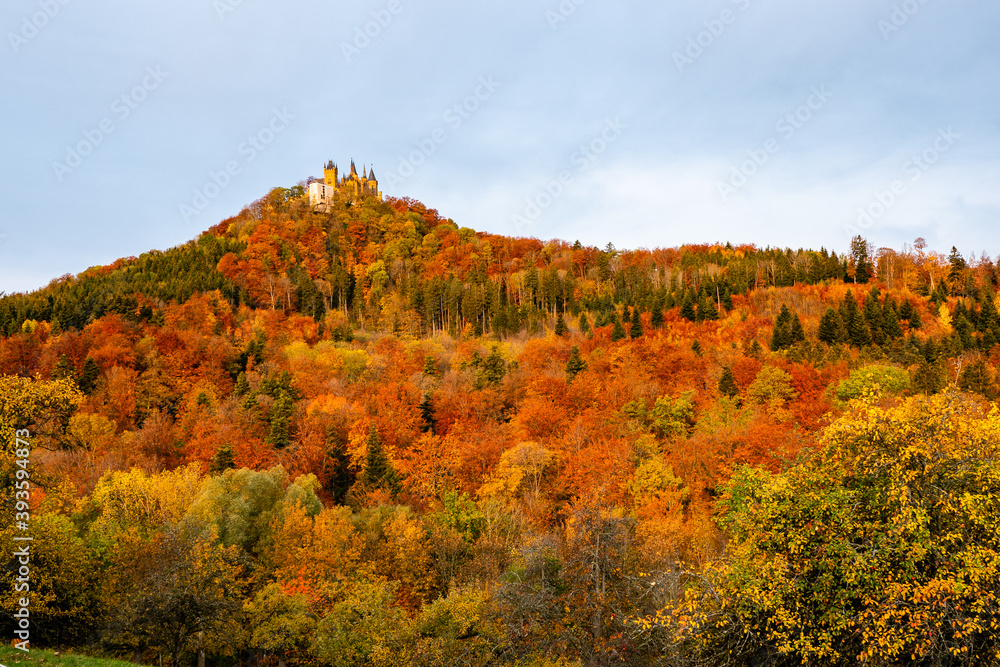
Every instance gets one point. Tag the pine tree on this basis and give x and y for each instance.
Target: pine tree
(91, 373)
(755, 348)
(618, 332)
(914, 320)
(796, 334)
(427, 414)
(861, 260)
(635, 330)
(687, 308)
(561, 329)
(830, 327)
(280, 417)
(378, 472)
(727, 383)
(584, 324)
(696, 347)
(575, 365)
(63, 368)
(656, 317)
(890, 322)
(222, 460)
(242, 387)
(711, 313)
(493, 368)
(430, 367)
(781, 337)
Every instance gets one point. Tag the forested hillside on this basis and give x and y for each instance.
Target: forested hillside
(373, 437)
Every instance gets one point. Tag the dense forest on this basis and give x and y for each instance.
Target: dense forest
(373, 437)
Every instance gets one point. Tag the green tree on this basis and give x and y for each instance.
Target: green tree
(635, 329)
(575, 365)
(727, 383)
(561, 329)
(378, 471)
(91, 373)
(618, 331)
(584, 324)
(830, 327)
(687, 308)
(861, 260)
(222, 460)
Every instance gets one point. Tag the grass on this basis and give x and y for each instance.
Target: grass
(11, 656)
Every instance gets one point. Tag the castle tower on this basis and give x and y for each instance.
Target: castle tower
(330, 174)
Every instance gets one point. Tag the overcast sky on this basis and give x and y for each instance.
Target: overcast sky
(130, 126)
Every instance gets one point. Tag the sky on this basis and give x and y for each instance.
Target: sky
(136, 126)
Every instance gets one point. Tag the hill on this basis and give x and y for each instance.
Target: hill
(487, 448)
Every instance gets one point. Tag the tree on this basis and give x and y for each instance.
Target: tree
(91, 373)
(635, 329)
(575, 365)
(727, 383)
(378, 471)
(222, 460)
(430, 367)
(881, 548)
(427, 414)
(618, 331)
(687, 308)
(861, 260)
(561, 329)
(830, 327)
(584, 324)
(180, 592)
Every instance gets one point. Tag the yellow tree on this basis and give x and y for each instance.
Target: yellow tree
(884, 548)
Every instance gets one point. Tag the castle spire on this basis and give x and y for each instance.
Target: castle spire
(354, 171)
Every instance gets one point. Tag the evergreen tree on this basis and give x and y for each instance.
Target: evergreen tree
(830, 327)
(656, 315)
(635, 330)
(781, 335)
(584, 324)
(430, 367)
(575, 365)
(861, 260)
(727, 383)
(618, 332)
(913, 320)
(696, 347)
(378, 472)
(755, 349)
(280, 417)
(427, 414)
(711, 313)
(63, 368)
(687, 308)
(242, 387)
(492, 369)
(975, 377)
(796, 334)
(890, 322)
(561, 329)
(91, 373)
(222, 460)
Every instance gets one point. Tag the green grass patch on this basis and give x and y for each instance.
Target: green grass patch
(11, 656)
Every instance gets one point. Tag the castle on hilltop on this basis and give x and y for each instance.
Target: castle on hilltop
(351, 186)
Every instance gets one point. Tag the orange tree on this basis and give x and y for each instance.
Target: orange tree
(882, 548)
